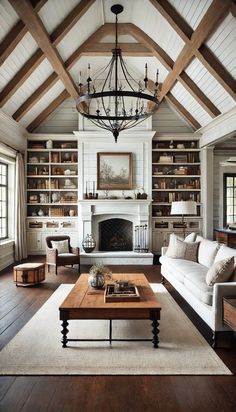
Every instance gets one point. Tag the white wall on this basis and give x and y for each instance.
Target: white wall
(138, 143)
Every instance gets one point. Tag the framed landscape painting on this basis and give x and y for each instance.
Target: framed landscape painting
(114, 171)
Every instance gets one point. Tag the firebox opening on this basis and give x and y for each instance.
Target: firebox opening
(115, 235)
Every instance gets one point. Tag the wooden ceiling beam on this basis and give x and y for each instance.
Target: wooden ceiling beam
(128, 49)
(46, 112)
(214, 15)
(58, 34)
(158, 52)
(182, 111)
(197, 93)
(35, 97)
(53, 78)
(174, 19)
(187, 82)
(73, 17)
(23, 74)
(96, 49)
(206, 57)
(17, 33)
(216, 69)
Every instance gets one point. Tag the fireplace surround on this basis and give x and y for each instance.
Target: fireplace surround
(94, 213)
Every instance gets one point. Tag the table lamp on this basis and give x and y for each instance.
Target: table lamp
(184, 207)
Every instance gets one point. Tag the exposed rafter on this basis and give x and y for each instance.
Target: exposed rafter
(214, 15)
(97, 49)
(37, 58)
(198, 94)
(46, 112)
(158, 52)
(174, 19)
(40, 35)
(182, 111)
(188, 83)
(15, 35)
(204, 54)
(214, 66)
(52, 79)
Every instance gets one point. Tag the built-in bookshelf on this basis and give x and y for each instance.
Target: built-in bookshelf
(176, 175)
(52, 189)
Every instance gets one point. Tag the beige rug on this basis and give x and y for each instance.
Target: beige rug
(36, 349)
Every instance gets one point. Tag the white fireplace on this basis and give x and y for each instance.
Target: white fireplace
(93, 212)
(116, 205)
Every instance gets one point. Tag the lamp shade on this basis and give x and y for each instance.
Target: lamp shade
(188, 207)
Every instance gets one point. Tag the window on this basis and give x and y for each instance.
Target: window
(229, 198)
(3, 201)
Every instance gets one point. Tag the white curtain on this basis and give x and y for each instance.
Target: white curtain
(20, 218)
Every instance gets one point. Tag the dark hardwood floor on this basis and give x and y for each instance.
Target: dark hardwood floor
(104, 393)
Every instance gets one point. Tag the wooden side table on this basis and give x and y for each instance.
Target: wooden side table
(29, 274)
(229, 312)
(226, 236)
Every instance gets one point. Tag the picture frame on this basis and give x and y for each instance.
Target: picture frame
(114, 171)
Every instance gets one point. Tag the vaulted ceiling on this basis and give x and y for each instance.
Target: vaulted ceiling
(46, 43)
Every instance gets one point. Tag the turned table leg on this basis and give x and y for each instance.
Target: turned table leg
(155, 331)
(64, 332)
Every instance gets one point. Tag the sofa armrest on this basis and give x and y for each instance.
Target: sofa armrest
(164, 250)
(221, 290)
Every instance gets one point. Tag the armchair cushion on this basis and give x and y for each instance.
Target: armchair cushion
(62, 246)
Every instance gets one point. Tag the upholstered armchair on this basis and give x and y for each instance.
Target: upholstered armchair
(59, 252)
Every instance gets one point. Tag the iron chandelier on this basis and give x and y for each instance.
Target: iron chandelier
(119, 102)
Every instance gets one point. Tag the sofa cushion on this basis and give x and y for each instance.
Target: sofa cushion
(196, 284)
(178, 249)
(207, 252)
(224, 252)
(180, 268)
(221, 271)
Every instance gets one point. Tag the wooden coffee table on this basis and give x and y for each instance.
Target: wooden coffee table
(83, 302)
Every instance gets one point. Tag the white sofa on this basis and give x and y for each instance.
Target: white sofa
(188, 278)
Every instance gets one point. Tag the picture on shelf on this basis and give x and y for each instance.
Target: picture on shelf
(114, 171)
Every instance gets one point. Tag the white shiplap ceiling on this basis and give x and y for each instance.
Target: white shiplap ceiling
(21, 89)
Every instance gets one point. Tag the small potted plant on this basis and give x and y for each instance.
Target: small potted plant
(97, 275)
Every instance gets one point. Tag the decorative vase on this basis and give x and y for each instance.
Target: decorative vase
(49, 144)
(40, 212)
(88, 243)
(96, 280)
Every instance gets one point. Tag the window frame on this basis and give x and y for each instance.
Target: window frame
(225, 176)
(7, 199)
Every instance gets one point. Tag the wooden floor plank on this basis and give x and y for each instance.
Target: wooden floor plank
(108, 393)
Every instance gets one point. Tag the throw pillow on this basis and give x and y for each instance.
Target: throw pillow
(61, 245)
(191, 237)
(221, 271)
(178, 249)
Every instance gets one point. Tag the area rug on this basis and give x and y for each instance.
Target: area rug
(37, 350)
